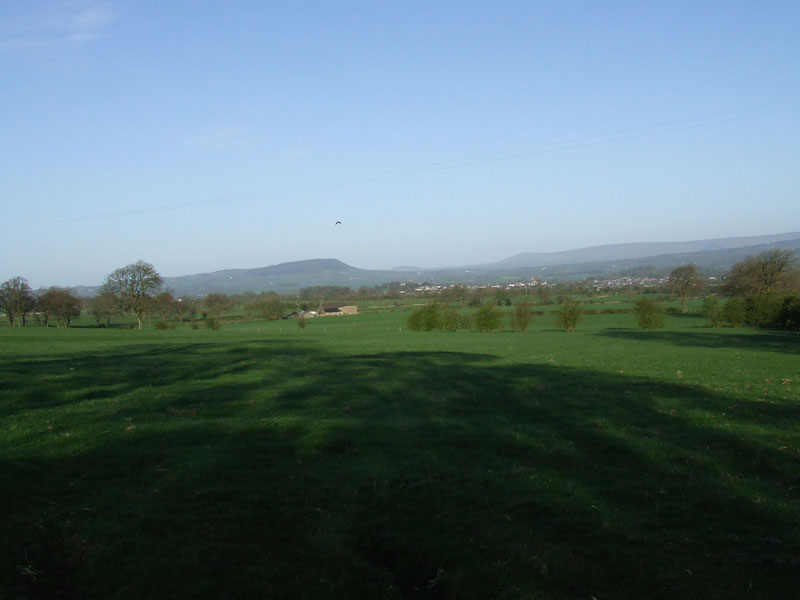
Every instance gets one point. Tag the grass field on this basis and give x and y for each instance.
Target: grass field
(355, 459)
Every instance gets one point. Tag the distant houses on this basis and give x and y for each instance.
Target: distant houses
(326, 309)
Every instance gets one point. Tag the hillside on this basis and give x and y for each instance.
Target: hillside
(620, 252)
(713, 257)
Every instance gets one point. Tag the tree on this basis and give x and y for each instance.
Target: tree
(502, 297)
(457, 293)
(166, 305)
(521, 316)
(217, 303)
(185, 306)
(132, 287)
(683, 281)
(265, 306)
(769, 272)
(648, 314)
(569, 314)
(763, 309)
(713, 311)
(735, 312)
(102, 307)
(488, 318)
(545, 293)
(789, 316)
(16, 298)
(425, 318)
(450, 319)
(59, 303)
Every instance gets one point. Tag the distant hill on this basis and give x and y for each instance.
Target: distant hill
(617, 252)
(713, 257)
(289, 276)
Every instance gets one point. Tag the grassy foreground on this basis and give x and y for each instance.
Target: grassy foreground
(356, 459)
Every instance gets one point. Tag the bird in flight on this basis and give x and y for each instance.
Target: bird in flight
(338, 223)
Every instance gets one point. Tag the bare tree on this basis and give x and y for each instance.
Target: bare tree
(166, 304)
(521, 316)
(16, 298)
(684, 280)
(133, 287)
(59, 303)
(103, 307)
(569, 313)
(218, 303)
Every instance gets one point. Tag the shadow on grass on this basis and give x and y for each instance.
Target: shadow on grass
(775, 341)
(281, 470)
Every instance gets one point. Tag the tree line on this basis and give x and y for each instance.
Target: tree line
(762, 290)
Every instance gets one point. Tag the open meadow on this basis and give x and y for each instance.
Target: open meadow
(356, 459)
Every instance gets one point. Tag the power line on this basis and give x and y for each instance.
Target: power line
(660, 128)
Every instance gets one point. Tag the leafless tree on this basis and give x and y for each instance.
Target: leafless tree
(60, 304)
(133, 287)
(684, 280)
(16, 298)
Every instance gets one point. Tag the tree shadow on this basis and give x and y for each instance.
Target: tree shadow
(773, 341)
(279, 469)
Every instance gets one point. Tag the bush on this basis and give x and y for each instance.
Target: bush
(425, 318)
(301, 323)
(735, 312)
(465, 321)
(488, 318)
(713, 311)
(763, 309)
(648, 314)
(414, 320)
(450, 319)
(789, 316)
(521, 317)
(569, 314)
(212, 323)
(163, 325)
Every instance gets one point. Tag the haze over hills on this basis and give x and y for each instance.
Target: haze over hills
(714, 257)
(634, 250)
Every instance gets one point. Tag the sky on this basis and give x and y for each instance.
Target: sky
(201, 136)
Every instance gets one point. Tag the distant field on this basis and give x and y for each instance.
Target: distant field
(357, 459)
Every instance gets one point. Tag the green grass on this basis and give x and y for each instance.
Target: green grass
(357, 459)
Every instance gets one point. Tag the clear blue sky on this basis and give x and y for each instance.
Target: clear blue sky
(203, 135)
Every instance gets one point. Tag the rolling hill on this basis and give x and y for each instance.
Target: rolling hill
(713, 257)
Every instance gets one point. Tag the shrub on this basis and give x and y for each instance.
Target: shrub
(569, 314)
(212, 323)
(713, 311)
(301, 323)
(163, 325)
(735, 312)
(450, 319)
(488, 318)
(194, 325)
(521, 317)
(648, 314)
(431, 316)
(465, 321)
(425, 318)
(763, 309)
(414, 320)
(789, 316)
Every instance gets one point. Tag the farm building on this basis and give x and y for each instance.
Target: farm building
(333, 309)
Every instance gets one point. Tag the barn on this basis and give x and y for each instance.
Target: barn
(334, 309)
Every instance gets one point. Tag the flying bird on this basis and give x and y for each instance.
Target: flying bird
(338, 223)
